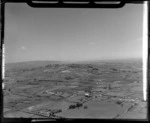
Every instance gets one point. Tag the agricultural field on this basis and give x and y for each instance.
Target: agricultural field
(99, 89)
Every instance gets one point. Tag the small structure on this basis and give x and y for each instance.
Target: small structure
(87, 94)
(97, 94)
(46, 70)
(49, 113)
(65, 71)
(49, 92)
(44, 113)
(58, 93)
(65, 95)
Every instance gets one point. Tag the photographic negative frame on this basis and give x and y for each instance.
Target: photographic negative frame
(89, 5)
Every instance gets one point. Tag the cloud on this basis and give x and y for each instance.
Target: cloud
(23, 48)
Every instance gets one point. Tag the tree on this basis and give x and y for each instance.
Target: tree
(72, 106)
(119, 102)
(78, 105)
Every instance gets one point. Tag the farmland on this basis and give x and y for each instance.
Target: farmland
(104, 89)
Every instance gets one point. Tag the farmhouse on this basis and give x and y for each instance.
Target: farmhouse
(87, 94)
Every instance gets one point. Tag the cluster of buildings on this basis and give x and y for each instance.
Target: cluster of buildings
(56, 93)
(49, 113)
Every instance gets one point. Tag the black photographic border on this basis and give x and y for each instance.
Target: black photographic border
(60, 5)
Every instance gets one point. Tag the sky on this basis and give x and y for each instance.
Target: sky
(69, 34)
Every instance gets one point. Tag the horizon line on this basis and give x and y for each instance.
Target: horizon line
(75, 61)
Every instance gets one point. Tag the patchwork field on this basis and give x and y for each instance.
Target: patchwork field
(106, 89)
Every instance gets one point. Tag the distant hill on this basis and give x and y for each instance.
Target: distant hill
(29, 64)
(34, 64)
(133, 60)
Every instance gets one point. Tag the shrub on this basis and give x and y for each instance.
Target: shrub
(114, 69)
(68, 78)
(85, 107)
(78, 105)
(119, 102)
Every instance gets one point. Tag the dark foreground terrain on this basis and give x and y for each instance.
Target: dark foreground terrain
(111, 89)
